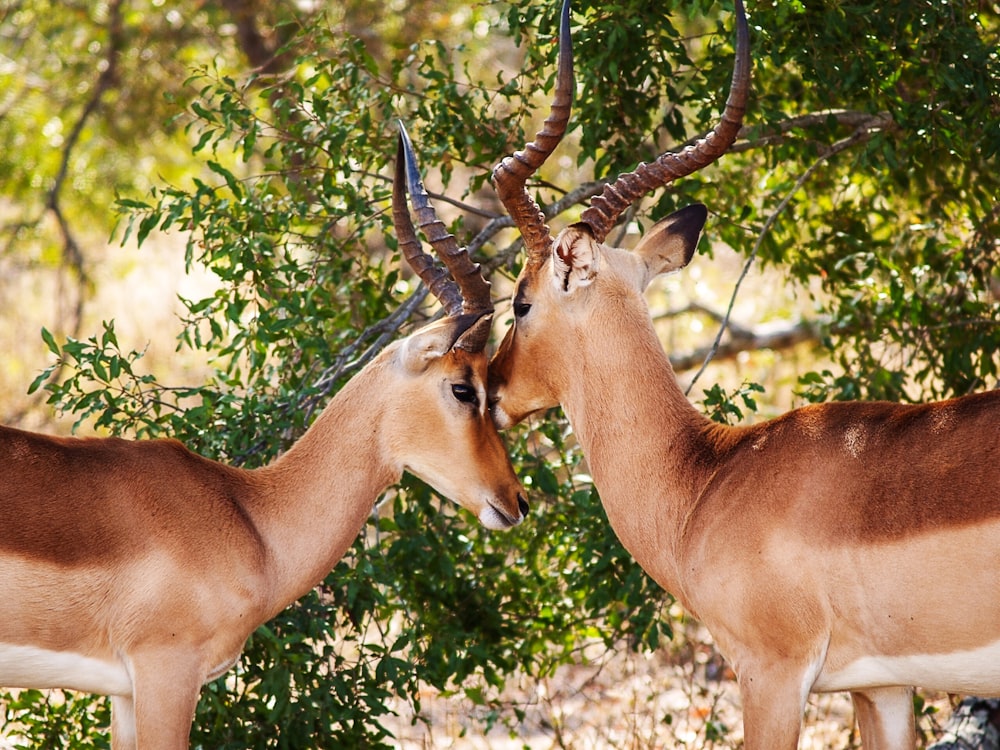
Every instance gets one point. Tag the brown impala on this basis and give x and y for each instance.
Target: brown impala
(844, 546)
(138, 569)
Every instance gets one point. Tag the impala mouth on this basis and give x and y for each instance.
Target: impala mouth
(506, 518)
(494, 517)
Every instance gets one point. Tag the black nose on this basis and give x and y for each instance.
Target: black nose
(522, 505)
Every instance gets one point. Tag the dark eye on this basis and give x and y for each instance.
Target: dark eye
(465, 393)
(521, 308)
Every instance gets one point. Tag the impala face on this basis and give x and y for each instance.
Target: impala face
(512, 396)
(453, 444)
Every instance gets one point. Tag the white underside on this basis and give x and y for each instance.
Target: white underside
(975, 672)
(31, 667)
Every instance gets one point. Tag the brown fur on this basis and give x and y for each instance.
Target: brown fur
(119, 485)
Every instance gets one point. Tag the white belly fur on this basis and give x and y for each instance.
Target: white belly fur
(31, 667)
(975, 672)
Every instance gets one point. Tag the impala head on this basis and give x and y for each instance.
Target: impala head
(574, 289)
(584, 292)
(453, 444)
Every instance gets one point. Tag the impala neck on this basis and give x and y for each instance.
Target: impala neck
(313, 500)
(644, 442)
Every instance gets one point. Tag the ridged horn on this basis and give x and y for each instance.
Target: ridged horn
(511, 174)
(440, 284)
(617, 196)
(462, 289)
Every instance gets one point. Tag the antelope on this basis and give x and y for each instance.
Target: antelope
(137, 569)
(839, 547)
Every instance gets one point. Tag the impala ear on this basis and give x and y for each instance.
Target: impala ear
(575, 257)
(670, 243)
(467, 332)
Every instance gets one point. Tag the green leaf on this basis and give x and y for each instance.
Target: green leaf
(50, 341)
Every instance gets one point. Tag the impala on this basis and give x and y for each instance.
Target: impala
(840, 547)
(137, 569)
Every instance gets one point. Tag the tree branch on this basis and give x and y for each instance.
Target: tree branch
(773, 133)
(348, 362)
(105, 81)
(776, 338)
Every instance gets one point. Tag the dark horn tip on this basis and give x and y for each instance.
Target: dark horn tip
(413, 180)
(564, 21)
(742, 28)
(403, 140)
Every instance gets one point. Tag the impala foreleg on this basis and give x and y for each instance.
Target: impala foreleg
(166, 685)
(773, 703)
(885, 718)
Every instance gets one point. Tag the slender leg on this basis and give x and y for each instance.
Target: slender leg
(773, 703)
(166, 688)
(885, 718)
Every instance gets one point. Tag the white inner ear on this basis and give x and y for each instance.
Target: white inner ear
(575, 259)
(426, 345)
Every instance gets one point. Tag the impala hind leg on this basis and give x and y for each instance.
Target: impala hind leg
(772, 710)
(885, 718)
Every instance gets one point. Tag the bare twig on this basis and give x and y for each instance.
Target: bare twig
(785, 337)
(774, 133)
(860, 135)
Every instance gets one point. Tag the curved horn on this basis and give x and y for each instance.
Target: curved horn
(474, 288)
(465, 291)
(440, 284)
(510, 175)
(605, 208)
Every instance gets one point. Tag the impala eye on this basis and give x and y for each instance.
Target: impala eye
(521, 308)
(465, 393)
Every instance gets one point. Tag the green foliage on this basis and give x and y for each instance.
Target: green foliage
(723, 407)
(286, 207)
(57, 719)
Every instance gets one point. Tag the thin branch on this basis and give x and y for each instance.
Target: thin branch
(773, 133)
(348, 362)
(465, 207)
(72, 252)
(785, 337)
(714, 315)
(106, 79)
(753, 137)
(864, 124)
(859, 136)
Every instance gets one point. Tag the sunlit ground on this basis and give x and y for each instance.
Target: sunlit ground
(683, 696)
